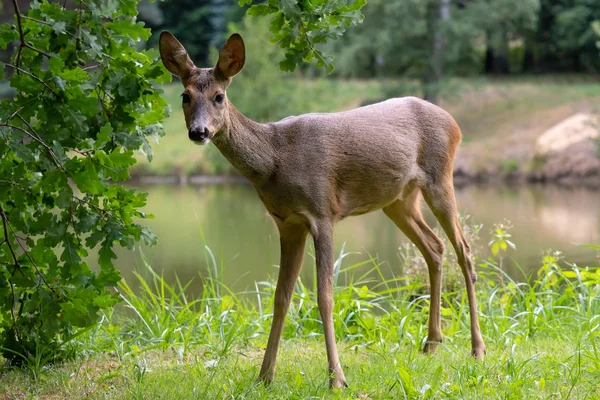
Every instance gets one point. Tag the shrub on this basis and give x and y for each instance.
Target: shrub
(86, 101)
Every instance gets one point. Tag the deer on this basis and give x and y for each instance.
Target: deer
(313, 170)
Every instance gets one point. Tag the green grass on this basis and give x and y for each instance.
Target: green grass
(542, 340)
(530, 370)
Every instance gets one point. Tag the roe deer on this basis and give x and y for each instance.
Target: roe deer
(314, 170)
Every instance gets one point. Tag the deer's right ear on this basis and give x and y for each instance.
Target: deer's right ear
(174, 56)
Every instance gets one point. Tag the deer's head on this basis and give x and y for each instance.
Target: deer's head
(204, 98)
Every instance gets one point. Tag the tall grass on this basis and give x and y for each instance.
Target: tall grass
(541, 330)
(557, 302)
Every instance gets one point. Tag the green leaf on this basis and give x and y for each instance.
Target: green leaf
(357, 5)
(129, 28)
(324, 61)
(59, 27)
(87, 179)
(103, 136)
(105, 301)
(495, 248)
(290, 9)
(59, 151)
(59, 82)
(106, 256)
(70, 253)
(277, 23)
(259, 9)
(129, 88)
(77, 120)
(56, 65)
(122, 160)
(8, 33)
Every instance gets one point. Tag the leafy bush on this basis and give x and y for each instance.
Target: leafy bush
(86, 101)
(299, 27)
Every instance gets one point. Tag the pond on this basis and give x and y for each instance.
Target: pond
(245, 244)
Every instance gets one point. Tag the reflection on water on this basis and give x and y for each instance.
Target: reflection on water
(245, 243)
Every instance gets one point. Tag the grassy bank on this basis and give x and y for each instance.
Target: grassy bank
(505, 115)
(542, 337)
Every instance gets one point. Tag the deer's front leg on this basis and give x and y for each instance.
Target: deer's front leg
(292, 238)
(325, 259)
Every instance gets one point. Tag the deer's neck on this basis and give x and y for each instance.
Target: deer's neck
(248, 146)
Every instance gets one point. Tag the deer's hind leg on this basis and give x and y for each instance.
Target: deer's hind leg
(440, 198)
(323, 237)
(407, 216)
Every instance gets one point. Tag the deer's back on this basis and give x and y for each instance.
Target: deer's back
(355, 161)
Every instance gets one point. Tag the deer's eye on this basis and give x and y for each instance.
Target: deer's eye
(185, 98)
(219, 98)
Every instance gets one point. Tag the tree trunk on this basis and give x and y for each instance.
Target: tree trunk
(502, 61)
(435, 71)
(528, 64)
(497, 52)
(489, 54)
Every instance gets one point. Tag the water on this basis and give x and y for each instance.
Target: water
(245, 243)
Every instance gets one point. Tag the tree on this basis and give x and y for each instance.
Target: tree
(566, 36)
(86, 101)
(200, 24)
(423, 40)
(504, 21)
(300, 27)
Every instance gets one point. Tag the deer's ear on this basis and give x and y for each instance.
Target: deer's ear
(174, 56)
(231, 57)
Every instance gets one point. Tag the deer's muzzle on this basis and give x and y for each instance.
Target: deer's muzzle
(199, 135)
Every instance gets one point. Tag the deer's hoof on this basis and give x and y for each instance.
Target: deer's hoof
(265, 378)
(338, 382)
(431, 346)
(478, 353)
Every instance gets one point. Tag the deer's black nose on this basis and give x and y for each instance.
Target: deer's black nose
(199, 134)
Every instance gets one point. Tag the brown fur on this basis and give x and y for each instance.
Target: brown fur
(314, 170)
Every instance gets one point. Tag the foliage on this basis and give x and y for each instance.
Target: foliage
(197, 24)
(86, 101)
(542, 336)
(567, 34)
(300, 26)
(397, 39)
(279, 94)
(500, 238)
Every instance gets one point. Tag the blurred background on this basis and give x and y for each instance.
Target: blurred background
(521, 77)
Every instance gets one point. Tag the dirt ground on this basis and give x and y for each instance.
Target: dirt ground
(503, 125)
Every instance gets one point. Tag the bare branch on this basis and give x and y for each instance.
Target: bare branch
(37, 138)
(19, 185)
(47, 24)
(21, 34)
(29, 257)
(12, 251)
(17, 266)
(30, 47)
(37, 78)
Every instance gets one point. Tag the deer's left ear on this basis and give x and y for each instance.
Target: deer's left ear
(231, 57)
